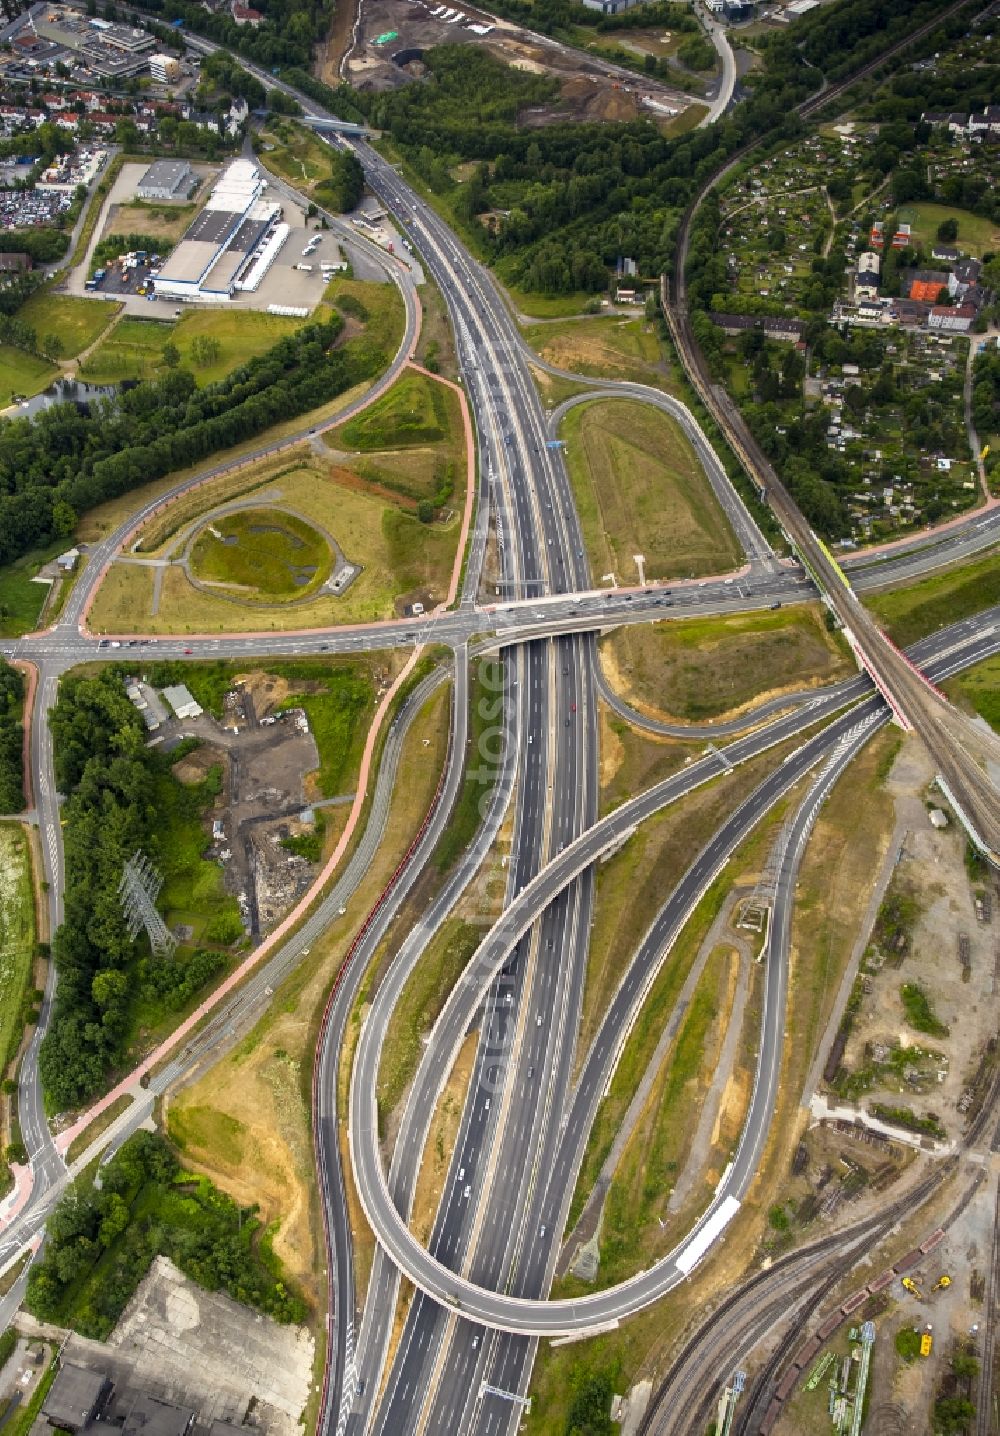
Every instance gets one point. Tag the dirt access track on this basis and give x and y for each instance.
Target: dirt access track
(591, 89)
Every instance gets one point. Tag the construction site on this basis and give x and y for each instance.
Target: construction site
(263, 810)
(387, 47)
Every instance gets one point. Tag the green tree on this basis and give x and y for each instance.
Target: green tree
(170, 354)
(63, 518)
(425, 511)
(205, 349)
(947, 230)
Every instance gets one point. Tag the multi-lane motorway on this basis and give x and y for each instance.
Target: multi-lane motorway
(465, 1353)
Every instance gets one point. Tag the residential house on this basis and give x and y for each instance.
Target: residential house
(246, 14)
(910, 311)
(964, 275)
(926, 284)
(869, 268)
(986, 124)
(956, 319)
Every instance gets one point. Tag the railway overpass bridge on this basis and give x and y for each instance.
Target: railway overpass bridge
(963, 754)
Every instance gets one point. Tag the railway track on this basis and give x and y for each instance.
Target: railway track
(770, 1390)
(723, 1340)
(985, 1424)
(698, 1364)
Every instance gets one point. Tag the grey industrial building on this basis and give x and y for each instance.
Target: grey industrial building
(115, 52)
(76, 1397)
(149, 1417)
(167, 179)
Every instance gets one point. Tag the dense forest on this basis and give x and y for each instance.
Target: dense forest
(11, 739)
(566, 199)
(110, 778)
(70, 457)
(104, 768)
(291, 28)
(100, 1242)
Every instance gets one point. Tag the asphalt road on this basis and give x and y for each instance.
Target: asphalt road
(842, 738)
(531, 496)
(530, 499)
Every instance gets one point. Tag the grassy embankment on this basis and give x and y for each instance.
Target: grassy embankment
(699, 669)
(17, 937)
(979, 688)
(295, 153)
(955, 593)
(420, 1002)
(23, 374)
(606, 347)
(640, 489)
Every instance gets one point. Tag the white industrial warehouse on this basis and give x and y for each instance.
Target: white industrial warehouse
(230, 244)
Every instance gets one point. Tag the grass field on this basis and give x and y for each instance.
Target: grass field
(401, 557)
(910, 613)
(980, 688)
(421, 1000)
(159, 221)
(688, 119)
(134, 347)
(23, 374)
(17, 935)
(379, 307)
(21, 598)
(292, 151)
(75, 322)
(605, 347)
(262, 554)
(640, 489)
(700, 668)
(547, 306)
(976, 235)
(132, 350)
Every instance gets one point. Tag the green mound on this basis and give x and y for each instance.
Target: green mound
(262, 554)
